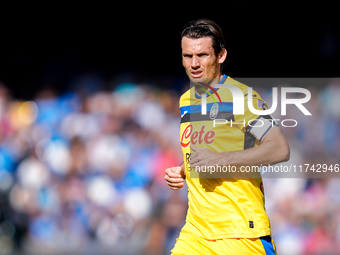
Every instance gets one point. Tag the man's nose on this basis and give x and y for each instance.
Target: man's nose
(195, 63)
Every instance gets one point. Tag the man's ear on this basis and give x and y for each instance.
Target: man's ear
(222, 56)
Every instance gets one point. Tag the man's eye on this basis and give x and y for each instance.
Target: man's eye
(187, 56)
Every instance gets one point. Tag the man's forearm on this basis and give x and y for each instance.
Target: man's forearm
(261, 155)
(273, 150)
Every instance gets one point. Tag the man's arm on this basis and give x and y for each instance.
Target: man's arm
(175, 176)
(272, 150)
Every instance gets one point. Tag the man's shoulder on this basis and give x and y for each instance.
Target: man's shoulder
(243, 87)
(236, 83)
(185, 98)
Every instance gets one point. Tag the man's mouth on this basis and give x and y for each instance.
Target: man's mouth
(196, 74)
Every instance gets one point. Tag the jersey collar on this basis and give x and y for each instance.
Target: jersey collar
(221, 82)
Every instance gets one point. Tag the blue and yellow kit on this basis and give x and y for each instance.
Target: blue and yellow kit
(224, 207)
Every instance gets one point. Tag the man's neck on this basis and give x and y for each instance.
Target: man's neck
(212, 84)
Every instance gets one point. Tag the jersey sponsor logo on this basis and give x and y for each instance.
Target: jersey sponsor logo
(187, 161)
(194, 137)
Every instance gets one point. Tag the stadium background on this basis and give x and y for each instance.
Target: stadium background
(89, 120)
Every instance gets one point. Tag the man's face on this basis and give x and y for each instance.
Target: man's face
(199, 59)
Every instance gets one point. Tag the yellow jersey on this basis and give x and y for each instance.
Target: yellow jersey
(223, 207)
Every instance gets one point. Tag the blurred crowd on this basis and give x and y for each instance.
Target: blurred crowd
(82, 173)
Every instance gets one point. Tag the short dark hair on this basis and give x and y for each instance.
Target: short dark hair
(205, 28)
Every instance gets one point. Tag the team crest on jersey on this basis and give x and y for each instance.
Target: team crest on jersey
(214, 111)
